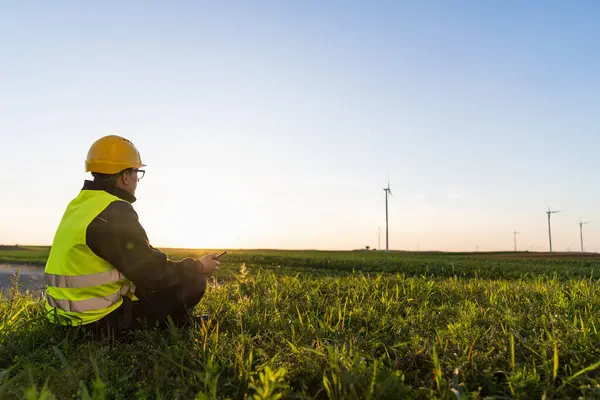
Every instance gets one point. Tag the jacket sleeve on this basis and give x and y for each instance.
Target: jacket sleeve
(117, 236)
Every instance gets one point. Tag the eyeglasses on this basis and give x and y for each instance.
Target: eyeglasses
(140, 173)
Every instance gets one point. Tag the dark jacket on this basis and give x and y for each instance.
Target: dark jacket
(117, 236)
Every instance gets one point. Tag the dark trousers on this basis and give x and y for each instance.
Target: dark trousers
(153, 309)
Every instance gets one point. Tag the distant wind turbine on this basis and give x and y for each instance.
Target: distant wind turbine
(581, 224)
(550, 212)
(388, 192)
(515, 233)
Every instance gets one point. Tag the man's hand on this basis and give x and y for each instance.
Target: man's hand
(209, 264)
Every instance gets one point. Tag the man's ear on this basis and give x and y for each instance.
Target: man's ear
(127, 177)
(124, 177)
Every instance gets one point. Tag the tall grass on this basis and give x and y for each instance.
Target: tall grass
(279, 335)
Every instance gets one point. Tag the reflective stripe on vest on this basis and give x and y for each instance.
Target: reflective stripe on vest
(95, 303)
(83, 281)
(92, 304)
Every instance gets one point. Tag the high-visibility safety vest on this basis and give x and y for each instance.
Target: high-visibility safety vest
(81, 287)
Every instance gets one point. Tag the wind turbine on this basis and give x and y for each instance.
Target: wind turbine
(515, 233)
(388, 192)
(581, 224)
(550, 212)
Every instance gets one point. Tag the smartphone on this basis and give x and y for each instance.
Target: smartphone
(221, 254)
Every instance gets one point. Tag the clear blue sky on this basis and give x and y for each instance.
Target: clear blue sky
(276, 124)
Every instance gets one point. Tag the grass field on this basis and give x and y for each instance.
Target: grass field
(35, 255)
(338, 325)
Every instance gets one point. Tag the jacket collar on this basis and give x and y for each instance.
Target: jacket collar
(109, 188)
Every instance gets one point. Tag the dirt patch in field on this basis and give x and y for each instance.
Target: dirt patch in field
(30, 278)
(541, 256)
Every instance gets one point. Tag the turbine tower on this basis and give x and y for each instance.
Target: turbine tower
(515, 233)
(550, 212)
(388, 192)
(581, 224)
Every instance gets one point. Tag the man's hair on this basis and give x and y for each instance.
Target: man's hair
(106, 178)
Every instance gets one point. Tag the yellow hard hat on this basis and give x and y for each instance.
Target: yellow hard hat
(111, 155)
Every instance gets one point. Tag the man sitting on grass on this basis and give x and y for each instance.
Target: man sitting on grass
(102, 272)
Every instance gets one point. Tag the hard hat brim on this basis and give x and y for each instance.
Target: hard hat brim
(108, 168)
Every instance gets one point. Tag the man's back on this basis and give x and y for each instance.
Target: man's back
(81, 286)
